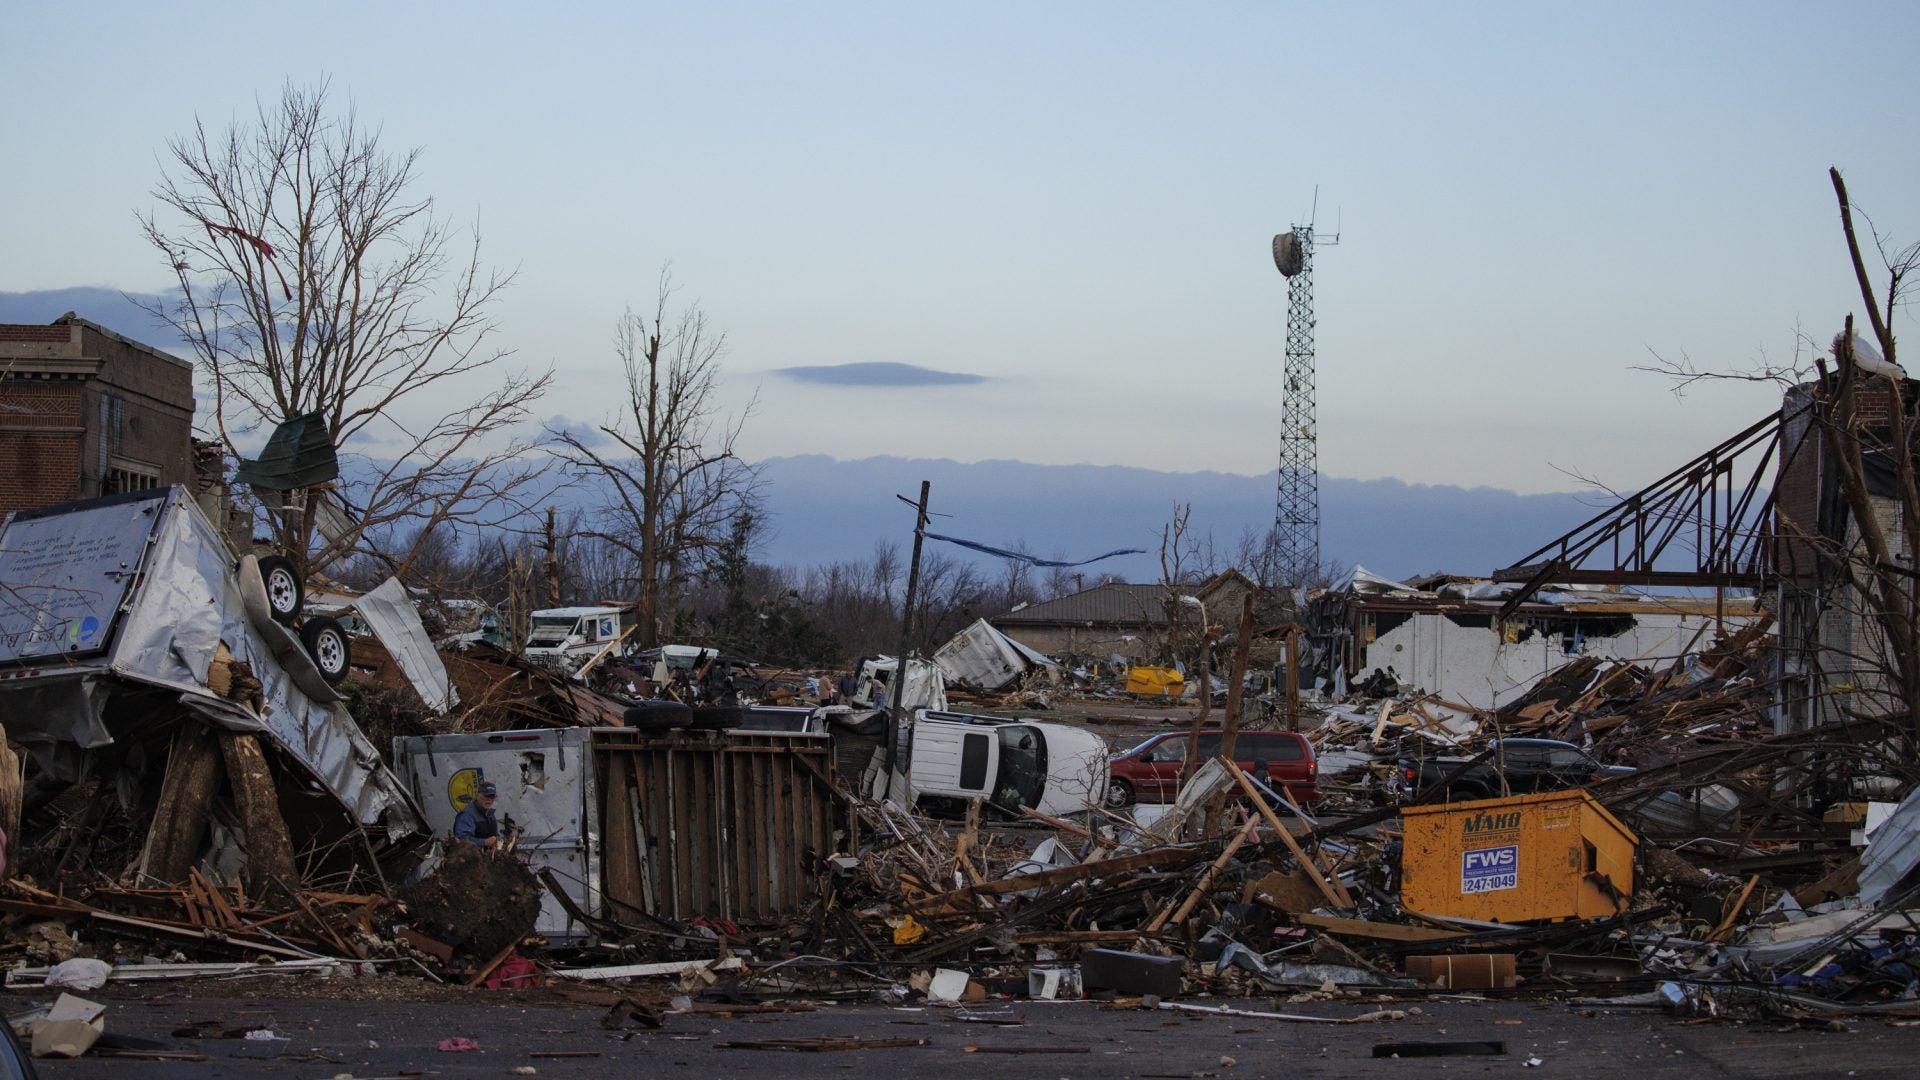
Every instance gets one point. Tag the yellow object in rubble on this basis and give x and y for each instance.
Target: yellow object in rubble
(906, 931)
(1528, 858)
(1155, 681)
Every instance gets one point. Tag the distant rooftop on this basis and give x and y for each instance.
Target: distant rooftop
(1112, 604)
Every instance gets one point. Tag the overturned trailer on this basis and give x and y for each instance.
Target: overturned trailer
(129, 634)
(628, 826)
(984, 657)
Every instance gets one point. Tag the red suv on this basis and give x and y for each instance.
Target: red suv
(1153, 771)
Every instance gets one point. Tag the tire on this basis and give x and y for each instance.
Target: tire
(1119, 794)
(653, 715)
(1467, 793)
(285, 592)
(327, 645)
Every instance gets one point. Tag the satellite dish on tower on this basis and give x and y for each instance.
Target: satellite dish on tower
(1286, 254)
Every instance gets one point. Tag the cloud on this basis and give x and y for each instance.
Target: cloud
(584, 433)
(881, 374)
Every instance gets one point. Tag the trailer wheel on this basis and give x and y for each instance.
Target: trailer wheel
(285, 593)
(326, 643)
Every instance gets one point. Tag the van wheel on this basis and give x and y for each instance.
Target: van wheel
(1119, 794)
(326, 643)
(284, 590)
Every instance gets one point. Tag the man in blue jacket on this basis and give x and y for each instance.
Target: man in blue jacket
(476, 823)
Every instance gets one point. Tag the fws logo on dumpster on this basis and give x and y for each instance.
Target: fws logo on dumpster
(1489, 870)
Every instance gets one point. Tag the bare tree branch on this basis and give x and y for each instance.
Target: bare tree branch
(312, 280)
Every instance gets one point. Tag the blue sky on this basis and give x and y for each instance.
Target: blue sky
(1074, 202)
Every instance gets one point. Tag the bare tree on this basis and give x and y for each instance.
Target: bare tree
(672, 481)
(313, 279)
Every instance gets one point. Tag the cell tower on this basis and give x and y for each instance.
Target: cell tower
(1296, 514)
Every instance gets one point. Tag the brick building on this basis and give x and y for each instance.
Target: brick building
(86, 412)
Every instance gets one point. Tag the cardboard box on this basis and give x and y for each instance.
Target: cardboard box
(70, 1028)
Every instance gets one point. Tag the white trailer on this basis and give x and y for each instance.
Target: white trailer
(140, 591)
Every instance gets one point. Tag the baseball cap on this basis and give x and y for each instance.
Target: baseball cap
(487, 788)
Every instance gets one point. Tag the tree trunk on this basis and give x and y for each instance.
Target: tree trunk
(186, 802)
(1236, 678)
(269, 846)
(1230, 730)
(12, 785)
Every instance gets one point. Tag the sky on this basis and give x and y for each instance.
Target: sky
(1055, 219)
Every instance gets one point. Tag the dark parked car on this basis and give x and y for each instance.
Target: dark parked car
(1153, 771)
(1529, 765)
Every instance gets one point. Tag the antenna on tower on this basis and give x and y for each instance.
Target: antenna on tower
(1296, 514)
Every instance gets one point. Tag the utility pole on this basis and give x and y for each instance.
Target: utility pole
(552, 547)
(897, 693)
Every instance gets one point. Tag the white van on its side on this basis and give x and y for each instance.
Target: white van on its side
(1011, 763)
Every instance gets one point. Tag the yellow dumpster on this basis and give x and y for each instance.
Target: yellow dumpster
(1155, 681)
(1555, 855)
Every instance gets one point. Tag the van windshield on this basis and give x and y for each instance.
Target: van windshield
(1023, 767)
(550, 631)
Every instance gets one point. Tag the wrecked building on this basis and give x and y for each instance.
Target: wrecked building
(1121, 619)
(1833, 649)
(1443, 636)
(87, 412)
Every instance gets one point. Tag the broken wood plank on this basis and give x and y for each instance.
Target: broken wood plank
(487, 968)
(1733, 911)
(1206, 880)
(1165, 858)
(968, 838)
(1078, 937)
(1377, 931)
(439, 950)
(1063, 826)
(1273, 821)
(823, 1044)
(641, 971)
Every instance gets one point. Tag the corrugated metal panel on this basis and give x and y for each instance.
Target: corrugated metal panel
(717, 825)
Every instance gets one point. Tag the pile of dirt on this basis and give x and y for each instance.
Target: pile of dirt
(477, 901)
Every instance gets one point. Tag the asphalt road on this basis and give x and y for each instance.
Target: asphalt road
(324, 1039)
